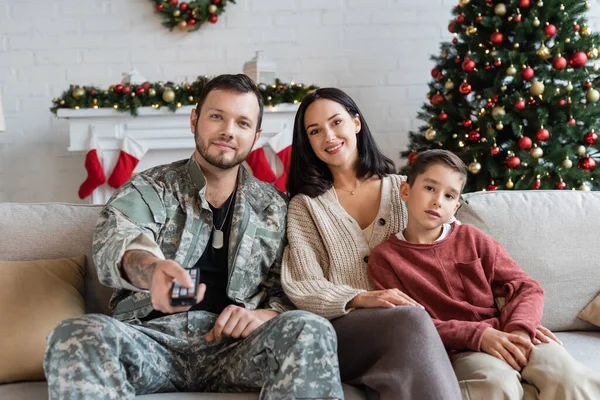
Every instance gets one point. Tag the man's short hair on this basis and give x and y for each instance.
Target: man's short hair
(428, 158)
(239, 83)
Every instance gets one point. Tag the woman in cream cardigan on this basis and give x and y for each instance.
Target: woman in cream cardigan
(345, 200)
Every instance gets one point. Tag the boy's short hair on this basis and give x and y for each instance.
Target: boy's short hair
(428, 158)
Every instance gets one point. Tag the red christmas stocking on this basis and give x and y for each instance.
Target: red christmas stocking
(94, 169)
(260, 166)
(282, 145)
(131, 153)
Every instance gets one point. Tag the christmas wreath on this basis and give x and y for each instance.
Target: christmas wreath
(128, 98)
(189, 16)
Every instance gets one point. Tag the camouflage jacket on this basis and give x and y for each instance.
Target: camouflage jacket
(166, 206)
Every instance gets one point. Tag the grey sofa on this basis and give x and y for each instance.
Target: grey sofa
(552, 234)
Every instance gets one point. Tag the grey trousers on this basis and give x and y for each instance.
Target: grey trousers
(97, 357)
(395, 354)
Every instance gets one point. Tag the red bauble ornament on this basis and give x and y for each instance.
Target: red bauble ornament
(576, 27)
(559, 63)
(474, 136)
(589, 138)
(517, 18)
(578, 59)
(495, 99)
(216, 1)
(191, 22)
(126, 89)
(118, 88)
(496, 38)
(457, 59)
(146, 85)
(495, 150)
(528, 73)
(491, 188)
(460, 19)
(454, 41)
(542, 134)
(213, 18)
(467, 123)
(513, 162)
(524, 3)
(140, 91)
(443, 116)
(572, 121)
(465, 88)
(478, 19)
(452, 26)
(411, 157)
(159, 7)
(587, 84)
(183, 6)
(536, 185)
(173, 2)
(93, 92)
(435, 72)
(562, 102)
(550, 30)
(525, 143)
(436, 99)
(569, 101)
(487, 66)
(587, 164)
(468, 65)
(498, 62)
(561, 185)
(520, 104)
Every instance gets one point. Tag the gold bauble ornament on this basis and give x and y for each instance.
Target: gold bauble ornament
(569, 87)
(536, 152)
(474, 167)
(568, 40)
(449, 85)
(581, 150)
(584, 188)
(182, 25)
(191, 99)
(585, 31)
(535, 22)
(176, 13)
(543, 53)
(511, 70)
(510, 184)
(62, 102)
(444, 54)
(464, 2)
(471, 30)
(77, 92)
(498, 112)
(587, 4)
(593, 53)
(517, 45)
(500, 9)
(430, 134)
(596, 67)
(212, 9)
(503, 88)
(499, 126)
(540, 3)
(454, 136)
(152, 92)
(567, 163)
(168, 95)
(592, 95)
(537, 88)
(448, 97)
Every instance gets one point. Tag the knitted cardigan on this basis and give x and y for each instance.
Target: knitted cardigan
(325, 262)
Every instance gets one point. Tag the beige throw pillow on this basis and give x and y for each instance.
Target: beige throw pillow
(34, 297)
(591, 312)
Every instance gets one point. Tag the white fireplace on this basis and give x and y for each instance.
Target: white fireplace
(166, 134)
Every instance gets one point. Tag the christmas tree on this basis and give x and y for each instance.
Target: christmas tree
(515, 95)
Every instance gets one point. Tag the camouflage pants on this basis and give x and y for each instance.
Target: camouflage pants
(95, 356)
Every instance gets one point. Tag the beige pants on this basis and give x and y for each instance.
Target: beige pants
(551, 374)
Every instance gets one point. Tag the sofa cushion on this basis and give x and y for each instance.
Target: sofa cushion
(34, 297)
(591, 313)
(553, 235)
(53, 230)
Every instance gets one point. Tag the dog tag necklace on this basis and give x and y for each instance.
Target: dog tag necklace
(217, 240)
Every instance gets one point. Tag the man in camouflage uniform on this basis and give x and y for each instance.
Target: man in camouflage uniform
(240, 336)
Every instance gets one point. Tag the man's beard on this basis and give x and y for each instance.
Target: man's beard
(220, 161)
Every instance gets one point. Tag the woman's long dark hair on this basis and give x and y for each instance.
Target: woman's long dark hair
(308, 174)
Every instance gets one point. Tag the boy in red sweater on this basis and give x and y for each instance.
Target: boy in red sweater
(455, 271)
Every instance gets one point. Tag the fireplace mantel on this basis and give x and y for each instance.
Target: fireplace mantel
(166, 134)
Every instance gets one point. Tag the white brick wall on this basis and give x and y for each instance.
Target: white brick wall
(376, 50)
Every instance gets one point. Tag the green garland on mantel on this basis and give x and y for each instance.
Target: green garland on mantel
(189, 16)
(128, 98)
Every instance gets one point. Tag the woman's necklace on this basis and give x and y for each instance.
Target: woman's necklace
(352, 192)
(217, 241)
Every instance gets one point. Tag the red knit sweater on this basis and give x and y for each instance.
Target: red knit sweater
(456, 280)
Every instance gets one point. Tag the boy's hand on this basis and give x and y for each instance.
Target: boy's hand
(524, 349)
(388, 298)
(544, 335)
(506, 347)
(238, 322)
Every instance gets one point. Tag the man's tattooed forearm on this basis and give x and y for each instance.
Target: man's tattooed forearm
(139, 267)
